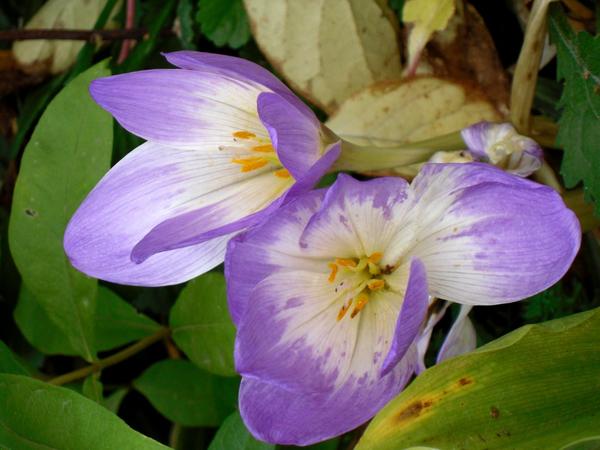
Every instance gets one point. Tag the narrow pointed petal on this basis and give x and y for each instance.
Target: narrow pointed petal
(235, 68)
(461, 338)
(356, 218)
(296, 138)
(180, 108)
(277, 415)
(412, 315)
(488, 237)
(425, 335)
(150, 185)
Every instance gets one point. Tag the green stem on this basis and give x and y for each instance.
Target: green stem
(112, 359)
(363, 157)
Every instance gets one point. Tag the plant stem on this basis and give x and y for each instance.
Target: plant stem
(129, 24)
(77, 35)
(112, 359)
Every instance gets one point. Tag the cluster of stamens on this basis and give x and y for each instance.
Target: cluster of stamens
(370, 265)
(265, 154)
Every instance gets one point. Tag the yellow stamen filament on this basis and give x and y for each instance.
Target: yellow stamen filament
(375, 257)
(267, 148)
(361, 301)
(244, 135)
(334, 271)
(282, 173)
(346, 262)
(249, 164)
(343, 310)
(375, 284)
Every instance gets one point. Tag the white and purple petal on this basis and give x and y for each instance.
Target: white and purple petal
(461, 338)
(488, 237)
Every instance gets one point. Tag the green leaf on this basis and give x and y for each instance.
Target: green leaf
(590, 443)
(234, 434)
(118, 323)
(113, 401)
(187, 395)
(534, 388)
(224, 22)
(9, 362)
(185, 13)
(68, 153)
(201, 325)
(92, 388)
(35, 415)
(579, 125)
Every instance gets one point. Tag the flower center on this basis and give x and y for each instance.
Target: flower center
(258, 153)
(372, 280)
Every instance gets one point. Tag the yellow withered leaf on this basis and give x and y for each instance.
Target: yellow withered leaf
(411, 110)
(427, 17)
(327, 49)
(56, 56)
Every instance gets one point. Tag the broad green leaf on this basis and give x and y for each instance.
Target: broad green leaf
(9, 362)
(92, 388)
(534, 388)
(427, 17)
(35, 415)
(201, 325)
(118, 323)
(187, 395)
(233, 434)
(224, 22)
(579, 124)
(590, 443)
(68, 153)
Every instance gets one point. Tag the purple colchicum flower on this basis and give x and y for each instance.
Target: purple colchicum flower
(330, 295)
(501, 145)
(227, 143)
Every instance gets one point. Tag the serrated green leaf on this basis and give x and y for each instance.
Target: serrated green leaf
(579, 130)
(118, 323)
(201, 325)
(224, 22)
(68, 153)
(92, 388)
(187, 395)
(9, 362)
(233, 434)
(35, 415)
(534, 388)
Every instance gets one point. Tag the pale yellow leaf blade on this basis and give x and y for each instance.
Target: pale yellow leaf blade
(327, 49)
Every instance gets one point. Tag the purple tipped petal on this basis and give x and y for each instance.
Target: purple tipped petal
(296, 138)
(501, 145)
(461, 338)
(180, 108)
(488, 237)
(412, 314)
(236, 68)
(147, 187)
(276, 415)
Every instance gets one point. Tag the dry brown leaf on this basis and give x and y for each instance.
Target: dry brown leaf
(412, 110)
(56, 56)
(327, 49)
(466, 51)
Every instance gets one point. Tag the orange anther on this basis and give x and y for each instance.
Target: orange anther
(244, 135)
(343, 310)
(375, 284)
(282, 173)
(346, 262)
(361, 301)
(334, 271)
(375, 257)
(249, 164)
(267, 148)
